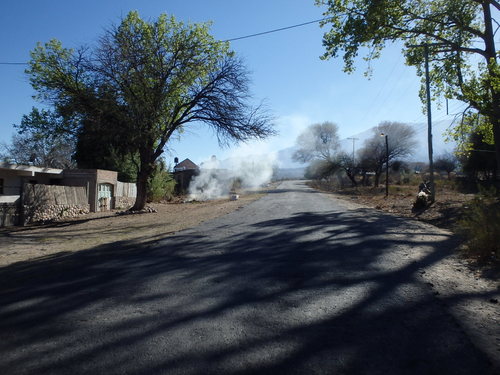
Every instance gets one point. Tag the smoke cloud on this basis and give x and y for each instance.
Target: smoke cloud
(216, 179)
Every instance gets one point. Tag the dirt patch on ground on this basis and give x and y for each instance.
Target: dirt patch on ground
(96, 229)
(444, 213)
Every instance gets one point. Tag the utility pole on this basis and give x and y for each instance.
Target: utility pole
(429, 116)
(429, 122)
(353, 140)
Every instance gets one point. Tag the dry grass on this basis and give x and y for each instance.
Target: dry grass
(444, 213)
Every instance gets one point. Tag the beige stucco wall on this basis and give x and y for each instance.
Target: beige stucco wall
(90, 178)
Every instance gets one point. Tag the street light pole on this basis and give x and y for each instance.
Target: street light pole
(386, 164)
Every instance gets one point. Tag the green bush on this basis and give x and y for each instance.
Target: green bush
(161, 184)
(480, 225)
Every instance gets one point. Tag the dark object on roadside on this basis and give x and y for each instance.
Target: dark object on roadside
(423, 196)
(425, 187)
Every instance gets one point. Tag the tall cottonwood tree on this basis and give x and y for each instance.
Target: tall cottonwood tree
(145, 81)
(460, 35)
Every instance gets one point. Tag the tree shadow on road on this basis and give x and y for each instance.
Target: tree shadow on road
(334, 292)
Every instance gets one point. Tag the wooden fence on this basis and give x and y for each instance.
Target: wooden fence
(126, 189)
(50, 202)
(54, 195)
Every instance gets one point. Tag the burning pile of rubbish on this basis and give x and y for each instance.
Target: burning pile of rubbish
(216, 181)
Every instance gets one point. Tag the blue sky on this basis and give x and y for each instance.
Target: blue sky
(299, 88)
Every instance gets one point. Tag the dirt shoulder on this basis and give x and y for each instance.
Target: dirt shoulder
(95, 229)
(470, 292)
(444, 213)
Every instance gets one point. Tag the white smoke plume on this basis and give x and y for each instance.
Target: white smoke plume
(216, 179)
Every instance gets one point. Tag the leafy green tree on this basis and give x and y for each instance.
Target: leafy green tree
(161, 184)
(144, 82)
(99, 147)
(459, 33)
(90, 144)
(479, 162)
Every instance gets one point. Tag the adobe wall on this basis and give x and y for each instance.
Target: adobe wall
(90, 178)
(108, 177)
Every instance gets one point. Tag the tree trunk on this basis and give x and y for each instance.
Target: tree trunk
(377, 179)
(496, 137)
(145, 172)
(142, 193)
(352, 177)
(491, 60)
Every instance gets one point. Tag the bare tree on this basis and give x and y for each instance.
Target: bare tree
(36, 149)
(401, 143)
(347, 163)
(317, 142)
(446, 162)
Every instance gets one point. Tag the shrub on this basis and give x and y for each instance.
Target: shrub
(480, 225)
(161, 184)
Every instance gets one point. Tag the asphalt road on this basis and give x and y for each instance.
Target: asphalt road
(294, 283)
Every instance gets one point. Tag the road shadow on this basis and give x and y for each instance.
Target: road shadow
(332, 292)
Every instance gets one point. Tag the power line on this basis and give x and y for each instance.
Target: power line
(228, 40)
(232, 39)
(276, 30)
(13, 63)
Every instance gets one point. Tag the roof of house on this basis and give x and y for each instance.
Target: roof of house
(29, 170)
(184, 165)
